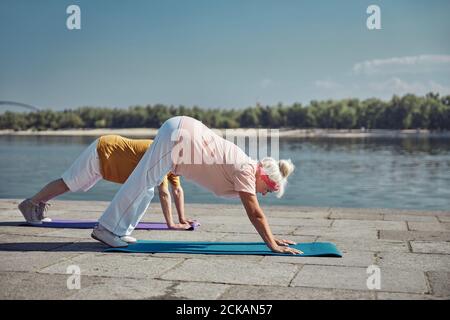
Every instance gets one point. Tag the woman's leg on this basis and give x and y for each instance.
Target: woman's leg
(133, 198)
(82, 175)
(84, 172)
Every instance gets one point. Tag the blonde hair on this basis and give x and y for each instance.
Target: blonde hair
(278, 171)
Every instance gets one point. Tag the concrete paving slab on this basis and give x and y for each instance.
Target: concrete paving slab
(178, 235)
(15, 228)
(414, 235)
(119, 265)
(68, 233)
(356, 216)
(370, 225)
(353, 278)
(412, 218)
(198, 291)
(299, 222)
(82, 246)
(219, 219)
(249, 258)
(250, 237)
(444, 218)
(298, 214)
(13, 213)
(351, 258)
(403, 296)
(104, 288)
(361, 233)
(348, 245)
(440, 283)
(292, 293)
(33, 243)
(414, 261)
(38, 257)
(249, 228)
(441, 247)
(32, 261)
(425, 226)
(232, 272)
(436, 213)
(32, 286)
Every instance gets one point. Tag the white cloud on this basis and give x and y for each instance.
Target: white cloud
(326, 84)
(383, 78)
(400, 87)
(409, 64)
(265, 83)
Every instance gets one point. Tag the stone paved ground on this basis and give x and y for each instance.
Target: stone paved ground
(411, 248)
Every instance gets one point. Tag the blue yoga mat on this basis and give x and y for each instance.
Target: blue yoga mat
(312, 249)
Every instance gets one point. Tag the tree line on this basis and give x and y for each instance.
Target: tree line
(407, 112)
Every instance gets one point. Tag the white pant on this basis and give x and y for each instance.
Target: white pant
(84, 172)
(133, 198)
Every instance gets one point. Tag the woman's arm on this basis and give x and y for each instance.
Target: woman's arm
(259, 221)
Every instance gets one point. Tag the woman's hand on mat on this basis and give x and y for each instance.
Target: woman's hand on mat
(283, 242)
(284, 249)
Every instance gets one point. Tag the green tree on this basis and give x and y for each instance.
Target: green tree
(249, 118)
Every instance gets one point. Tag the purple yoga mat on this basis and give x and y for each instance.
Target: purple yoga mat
(90, 224)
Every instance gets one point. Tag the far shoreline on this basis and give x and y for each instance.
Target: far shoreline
(284, 133)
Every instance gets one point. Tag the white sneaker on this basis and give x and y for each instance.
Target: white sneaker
(102, 234)
(128, 239)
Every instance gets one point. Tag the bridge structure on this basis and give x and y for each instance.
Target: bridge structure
(18, 104)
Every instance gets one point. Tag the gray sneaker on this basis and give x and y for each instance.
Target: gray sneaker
(102, 234)
(31, 212)
(43, 206)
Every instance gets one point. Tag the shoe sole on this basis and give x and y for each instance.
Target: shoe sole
(95, 238)
(129, 242)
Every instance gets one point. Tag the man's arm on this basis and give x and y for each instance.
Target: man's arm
(178, 197)
(259, 221)
(166, 206)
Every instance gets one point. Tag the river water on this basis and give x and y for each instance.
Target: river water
(404, 173)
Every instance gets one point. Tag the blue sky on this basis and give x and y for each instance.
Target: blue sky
(220, 53)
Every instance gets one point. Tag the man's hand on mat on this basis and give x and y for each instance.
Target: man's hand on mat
(180, 226)
(187, 221)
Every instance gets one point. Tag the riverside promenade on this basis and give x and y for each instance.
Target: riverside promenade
(411, 249)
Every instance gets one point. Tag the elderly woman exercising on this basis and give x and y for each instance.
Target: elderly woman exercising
(112, 158)
(186, 147)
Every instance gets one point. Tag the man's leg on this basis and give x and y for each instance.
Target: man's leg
(132, 200)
